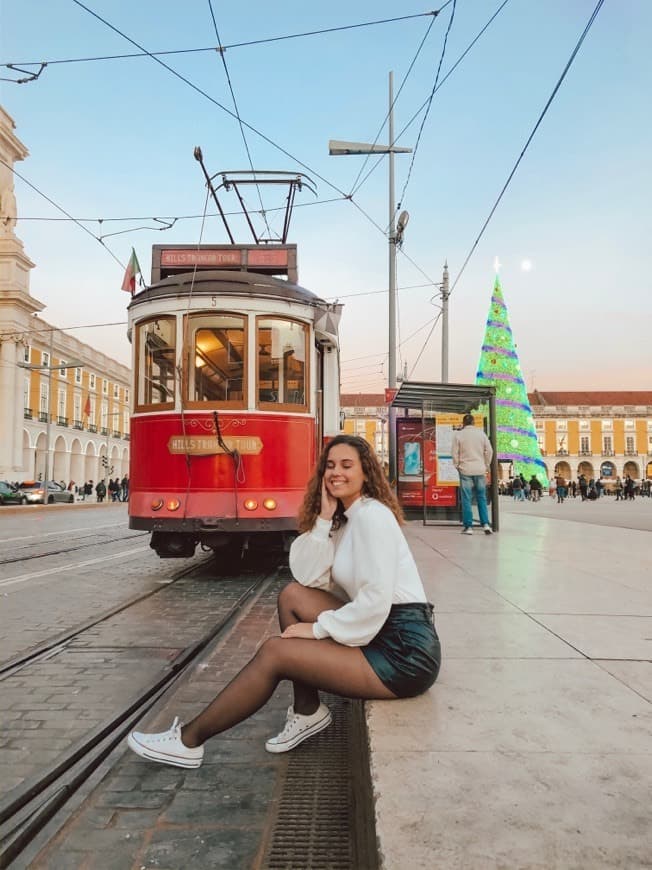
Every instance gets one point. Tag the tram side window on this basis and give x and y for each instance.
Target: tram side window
(156, 360)
(218, 369)
(282, 362)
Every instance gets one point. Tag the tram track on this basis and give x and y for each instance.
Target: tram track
(65, 550)
(28, 808)
(58, 642)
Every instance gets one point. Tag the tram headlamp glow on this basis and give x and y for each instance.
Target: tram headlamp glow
(173, 504)
(250, 504)
(269, 504)
(157, 504)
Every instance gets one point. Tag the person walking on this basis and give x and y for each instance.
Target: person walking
(535, 488)
(560, 481)
(619, 489)
(583, 487)
(517, 489)
(124, 486)
(355, 622)
(472, 453)
(100, 491)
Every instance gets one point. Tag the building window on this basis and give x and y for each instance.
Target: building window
(26, 353)
(585, 425)
(630, 444)
(541, 441)
(43, 398)
(361, 427)
(116, 391)
(126, 395)
(105, 387)
(91, 381)
(104, 416)
(63, 373)
(607, 445)
(61, 404)
(607, 425)
(45, 358)
(585, 444)
(77, 408)
(26, 386)
(125, 423)
(629, 425)
(78, 376)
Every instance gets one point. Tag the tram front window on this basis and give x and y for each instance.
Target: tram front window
(218, 366)
(282, 362)
(156, 355)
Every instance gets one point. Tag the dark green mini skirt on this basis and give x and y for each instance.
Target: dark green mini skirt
(406, 653)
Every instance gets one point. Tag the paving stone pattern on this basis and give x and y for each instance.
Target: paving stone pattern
(49, 705)
(145, 815)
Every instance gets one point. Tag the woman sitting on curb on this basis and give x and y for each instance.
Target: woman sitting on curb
(356, 623)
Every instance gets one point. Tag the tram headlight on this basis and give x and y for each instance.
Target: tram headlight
(269, 504)
(250, 504)
(157, 504)
(173, 504)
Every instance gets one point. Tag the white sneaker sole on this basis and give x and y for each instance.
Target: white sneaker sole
(162, 757)
(293, 742)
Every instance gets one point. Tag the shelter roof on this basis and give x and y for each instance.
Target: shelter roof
(445, 398)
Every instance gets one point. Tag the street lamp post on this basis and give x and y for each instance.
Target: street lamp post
(337, 148)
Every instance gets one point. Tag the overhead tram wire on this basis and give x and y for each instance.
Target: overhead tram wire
(427, 112)
(237, 111)
(552, 96)
(61, 209)
(222, 48)
(441, 83)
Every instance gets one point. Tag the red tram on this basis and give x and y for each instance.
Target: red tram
(236, 389)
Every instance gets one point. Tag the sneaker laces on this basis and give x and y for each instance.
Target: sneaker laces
(173, 733)
(292, 720)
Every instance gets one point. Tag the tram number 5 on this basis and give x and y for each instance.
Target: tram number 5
(213, 301)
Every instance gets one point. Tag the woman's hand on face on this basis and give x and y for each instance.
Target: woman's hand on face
(328, 503)
(299, 629)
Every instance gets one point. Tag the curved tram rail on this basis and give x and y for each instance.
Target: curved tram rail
(28, 808)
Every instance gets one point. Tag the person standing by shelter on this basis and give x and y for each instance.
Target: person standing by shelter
(472, 454)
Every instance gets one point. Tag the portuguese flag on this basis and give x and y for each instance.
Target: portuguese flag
(133, 269)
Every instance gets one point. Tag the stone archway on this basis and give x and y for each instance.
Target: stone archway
(90, 464)
(60, 461)
(585, 468)
(77, 462)
(648, 471)
(608, 470)
(39, 457)
(29, 457)
(631, 468)
(563, 468)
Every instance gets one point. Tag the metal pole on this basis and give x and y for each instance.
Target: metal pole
(444, 326)
(47, 421)
(391, 417)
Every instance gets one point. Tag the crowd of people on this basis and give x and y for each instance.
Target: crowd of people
(587, 489)
(116, 490)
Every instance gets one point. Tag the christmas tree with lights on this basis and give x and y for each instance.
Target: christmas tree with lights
(499, 367)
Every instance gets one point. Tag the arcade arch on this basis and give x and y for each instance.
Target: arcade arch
(563, 468)
(631, 468)
(585, 468)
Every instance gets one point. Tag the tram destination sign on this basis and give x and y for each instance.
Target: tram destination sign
(268, 260)
(208, 445)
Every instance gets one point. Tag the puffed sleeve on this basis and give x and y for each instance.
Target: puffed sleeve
(376, 539)
(311, 556)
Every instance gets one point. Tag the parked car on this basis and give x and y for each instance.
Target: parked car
(10, 495)
(35, 492)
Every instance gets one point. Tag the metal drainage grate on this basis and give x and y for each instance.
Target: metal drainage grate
(324, 810)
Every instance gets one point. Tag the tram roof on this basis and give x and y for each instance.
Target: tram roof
(227, 283)
(443, 398)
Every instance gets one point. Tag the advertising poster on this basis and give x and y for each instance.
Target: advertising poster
(418, 466)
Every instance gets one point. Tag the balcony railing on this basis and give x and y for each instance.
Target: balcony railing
(116, 433)
(562, 453)
(92, 427)
(62, 421)
(606, 452)
(585, 453)
(77, 424)
(27, 413)
(127, 436)
(42, 417)
(104, 431)
(631, 453)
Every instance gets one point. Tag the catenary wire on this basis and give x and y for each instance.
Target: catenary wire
(237, 111)
(222, 48)
(427, 112)
(441, 83)
(572, 57)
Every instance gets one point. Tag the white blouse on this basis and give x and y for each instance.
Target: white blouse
(366, 562)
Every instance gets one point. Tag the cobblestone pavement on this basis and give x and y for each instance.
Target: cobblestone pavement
(144, 815)
(49, 705)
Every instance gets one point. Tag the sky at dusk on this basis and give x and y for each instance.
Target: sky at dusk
(114, 139)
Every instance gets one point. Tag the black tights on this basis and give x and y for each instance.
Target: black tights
(310, 664)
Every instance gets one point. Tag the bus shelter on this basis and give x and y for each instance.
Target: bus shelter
(425, 417)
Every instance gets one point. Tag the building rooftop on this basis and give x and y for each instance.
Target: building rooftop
(591, 397)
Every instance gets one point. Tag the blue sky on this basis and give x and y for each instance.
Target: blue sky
(115, 139)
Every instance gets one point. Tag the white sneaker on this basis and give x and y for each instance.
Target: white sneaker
(487, 529)
(298, 728)
(467, 531)
(166, 747)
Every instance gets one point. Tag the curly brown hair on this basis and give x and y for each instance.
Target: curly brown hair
(375, 485)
